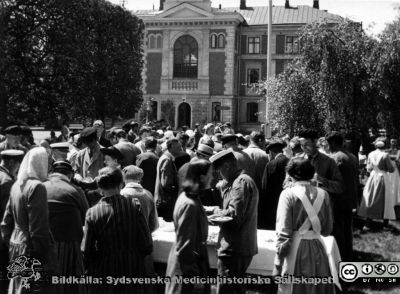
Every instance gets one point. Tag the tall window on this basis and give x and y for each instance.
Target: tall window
(185, 57)
(216, 111)
(292, 45)
(253, 76)
(159, 42)
(221, 41)
(217, 41)
(252, 112)
(253, 45)
(152, 42)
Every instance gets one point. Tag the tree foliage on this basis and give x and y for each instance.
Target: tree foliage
(328, 85)
(76, 59)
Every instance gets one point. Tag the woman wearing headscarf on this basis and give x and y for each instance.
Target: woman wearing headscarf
(188, 256)
(117, 237)
(25, 224)
(377, 201)
(303, 216)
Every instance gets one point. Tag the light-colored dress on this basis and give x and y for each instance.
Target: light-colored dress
(301, 250)
(394, 178)
(377, 201)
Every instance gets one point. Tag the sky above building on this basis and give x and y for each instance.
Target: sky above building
(373, 14)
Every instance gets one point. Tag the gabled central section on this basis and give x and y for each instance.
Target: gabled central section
(185, 10)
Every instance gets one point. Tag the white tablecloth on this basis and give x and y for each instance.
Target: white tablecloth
(262, 263)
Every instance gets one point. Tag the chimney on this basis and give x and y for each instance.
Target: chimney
(287, 4)
(220, 6)
(243, 4)
(162, 4)
(316, 4)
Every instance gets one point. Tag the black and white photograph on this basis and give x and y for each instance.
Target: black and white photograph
(199, 146)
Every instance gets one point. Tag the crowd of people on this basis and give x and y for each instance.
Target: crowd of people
(87, 203)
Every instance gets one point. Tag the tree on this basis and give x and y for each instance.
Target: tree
(386, 77)
(328, 85)
(71, 59)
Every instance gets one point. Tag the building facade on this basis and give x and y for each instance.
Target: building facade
(201, 63)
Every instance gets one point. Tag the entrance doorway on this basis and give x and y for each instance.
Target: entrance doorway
(184, 115)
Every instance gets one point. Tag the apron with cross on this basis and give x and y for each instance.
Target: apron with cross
(304, 233)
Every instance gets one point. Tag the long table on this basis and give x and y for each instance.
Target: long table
(262, 263)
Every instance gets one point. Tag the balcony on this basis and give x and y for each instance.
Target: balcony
(184, 85)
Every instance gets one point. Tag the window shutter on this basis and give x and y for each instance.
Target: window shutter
(264, 44)
(243, 48)
(280, 44)
(279, 66)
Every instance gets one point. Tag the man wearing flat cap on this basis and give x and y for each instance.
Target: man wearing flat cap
(90, 159)
(13, 139)
(230, 142)
(238, 237)
(9, 165)
(272, 181)
(67, 210)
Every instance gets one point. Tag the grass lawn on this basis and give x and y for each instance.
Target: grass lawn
(376, 245)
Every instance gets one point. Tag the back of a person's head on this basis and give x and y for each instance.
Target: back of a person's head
(109, 178)
(144, 129)
(171, 142)
(132, 173)
(120, 134)
(150, 143)
(308, 134)
(335, 138)
(300, 169)
(197, 168)
(257, 137)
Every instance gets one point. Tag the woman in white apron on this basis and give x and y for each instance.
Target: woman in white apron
(304, 215)
(378, 201)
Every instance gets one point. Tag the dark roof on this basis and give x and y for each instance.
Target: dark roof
(280, 15)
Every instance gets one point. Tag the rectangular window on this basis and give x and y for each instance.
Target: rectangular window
(253, 77)
(252, 112)
(292, 45)
(216, 111)
(253, 45)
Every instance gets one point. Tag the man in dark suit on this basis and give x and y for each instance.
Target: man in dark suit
(343, 203)
(67, 210)
(129, 150)
(237, 237)
(272, 181)
(147, 161)
(9, 165)
(13, 139)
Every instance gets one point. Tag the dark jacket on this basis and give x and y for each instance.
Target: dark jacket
(240, 201)
(67, 208)
(348, 167)
(129, 151)
(6, 182)
(272, 182)
(148, 163)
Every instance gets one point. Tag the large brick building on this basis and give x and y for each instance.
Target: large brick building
(200, 62)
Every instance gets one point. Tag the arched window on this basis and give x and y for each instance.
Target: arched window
(252, 112)
(159, 42)
(152, 42)
(214, 40)
(185, 57)
(221, 41)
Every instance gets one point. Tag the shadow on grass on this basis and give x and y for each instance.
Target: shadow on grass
(366, 256)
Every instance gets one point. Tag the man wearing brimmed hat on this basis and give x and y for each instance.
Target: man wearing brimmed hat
(238, 237)
(272, 180)
(67, 209)
(13, 139)
(59, 150)
(112, 157)
(90, 159)
(230, 142)
(9, 165)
